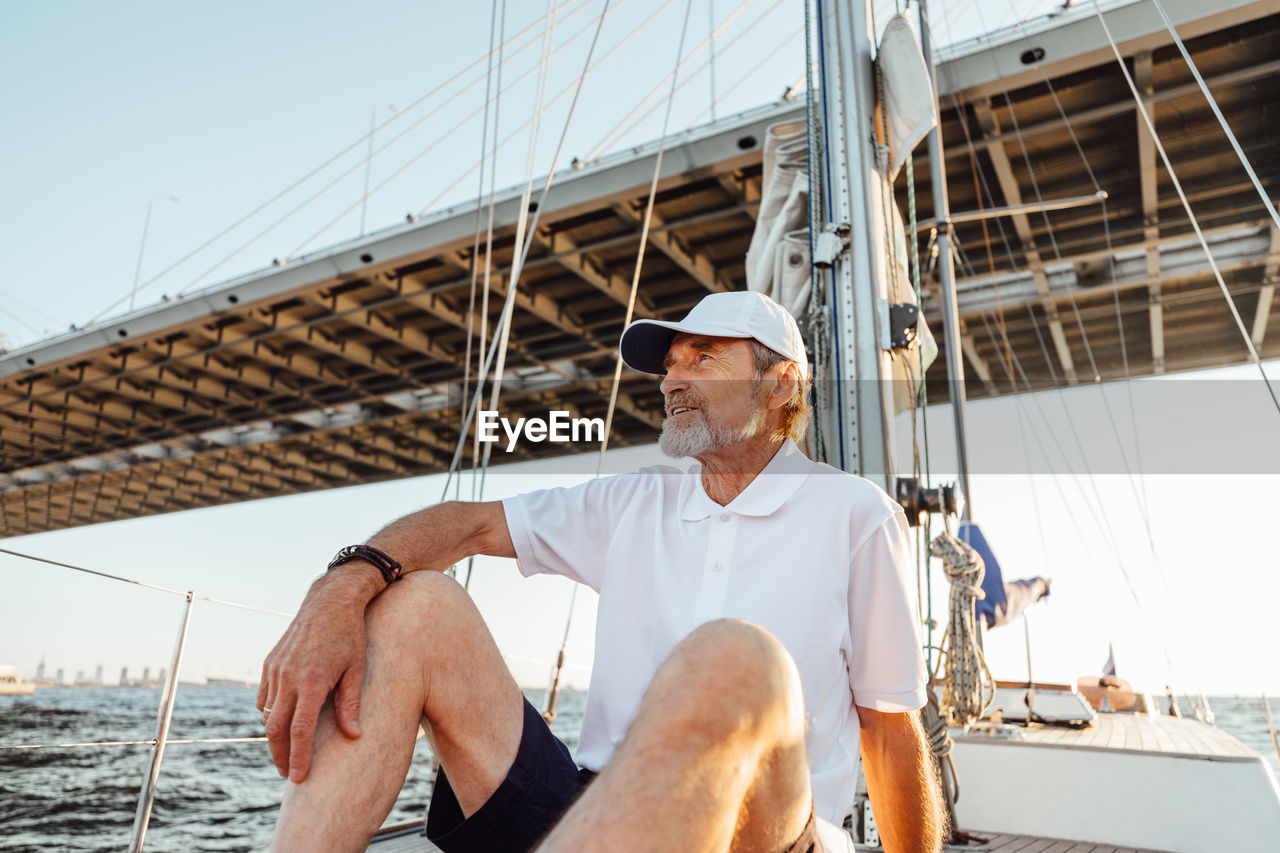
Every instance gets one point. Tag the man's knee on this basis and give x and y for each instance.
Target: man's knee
(420, 599)
(733, 663)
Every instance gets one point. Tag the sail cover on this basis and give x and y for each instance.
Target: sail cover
(778, 257)
(1004, 602)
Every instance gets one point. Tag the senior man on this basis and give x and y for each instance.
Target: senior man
(754, 635)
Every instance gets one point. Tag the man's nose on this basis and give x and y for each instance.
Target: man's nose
(675, 380)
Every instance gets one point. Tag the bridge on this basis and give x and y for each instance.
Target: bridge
(348, 365)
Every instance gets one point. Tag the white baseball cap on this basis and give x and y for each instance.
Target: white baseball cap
(737, 314)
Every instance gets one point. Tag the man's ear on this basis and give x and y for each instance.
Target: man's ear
(784, 384)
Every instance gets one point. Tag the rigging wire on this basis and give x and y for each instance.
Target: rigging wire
(1195, 224)
(475, 243)
(1071, 295)
(617, 371)
(1140, 492)
(1082, 540)
(761, 65)
(1213, 104)
(475, 257)
(1103, 523)
(1115, 296)
(521, 254)
(300, 181)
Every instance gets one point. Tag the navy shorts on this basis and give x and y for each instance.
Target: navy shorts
(541, 785)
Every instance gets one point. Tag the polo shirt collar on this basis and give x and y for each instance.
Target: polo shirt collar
(763, 496)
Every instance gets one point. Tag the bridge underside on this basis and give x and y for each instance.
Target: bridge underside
(348, 366)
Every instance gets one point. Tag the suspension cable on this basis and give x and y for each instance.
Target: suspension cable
(609, 55)
(618, 133)
(363, 139)
(617, 130)
(418, 156)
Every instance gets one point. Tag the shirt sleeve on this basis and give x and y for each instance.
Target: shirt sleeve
(566, 531)
(886, 667)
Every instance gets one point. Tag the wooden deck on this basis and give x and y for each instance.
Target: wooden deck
(1031, 844)
(1136, 733)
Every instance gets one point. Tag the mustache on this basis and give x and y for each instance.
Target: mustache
(682, 398)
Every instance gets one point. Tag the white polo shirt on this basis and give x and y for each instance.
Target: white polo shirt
(816, 556)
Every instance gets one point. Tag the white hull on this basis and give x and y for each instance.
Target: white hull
(1155, 783)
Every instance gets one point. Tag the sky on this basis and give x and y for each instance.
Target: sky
(115, 108)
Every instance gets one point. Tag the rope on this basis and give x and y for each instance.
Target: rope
(968, 684)
(940, 744)
(144, 584)
(554, 691)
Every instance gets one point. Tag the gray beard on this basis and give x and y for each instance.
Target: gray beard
(699, 436)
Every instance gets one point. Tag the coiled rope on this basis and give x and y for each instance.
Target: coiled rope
(968, 685)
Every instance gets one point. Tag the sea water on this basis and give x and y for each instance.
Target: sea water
(223, 797)
(215, 797)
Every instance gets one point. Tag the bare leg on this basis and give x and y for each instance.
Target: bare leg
(431, 660)
(715, 760)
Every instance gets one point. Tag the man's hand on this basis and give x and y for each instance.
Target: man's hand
(323, 648)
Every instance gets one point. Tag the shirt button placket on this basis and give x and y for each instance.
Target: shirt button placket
(715, 577)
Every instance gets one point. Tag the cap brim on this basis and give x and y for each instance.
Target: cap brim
(645, 343)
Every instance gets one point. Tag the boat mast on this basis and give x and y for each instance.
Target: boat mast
(947, 272)
(849, 241)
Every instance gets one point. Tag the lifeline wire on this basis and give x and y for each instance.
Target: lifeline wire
(156, 587)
